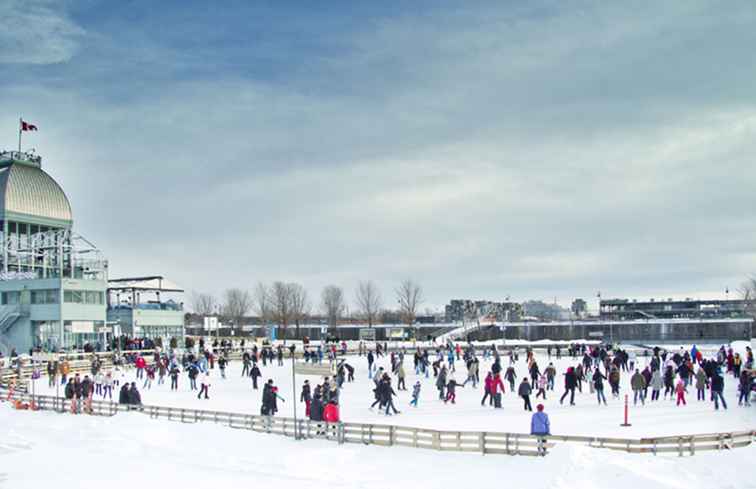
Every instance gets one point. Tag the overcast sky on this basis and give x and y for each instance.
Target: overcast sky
(485, 149)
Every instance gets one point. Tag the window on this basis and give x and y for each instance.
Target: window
(52, 296)
(12, 228)
(73, 296)
(9, 298)
(93, 297)
(47, 296)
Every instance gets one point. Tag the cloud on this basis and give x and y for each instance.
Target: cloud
(485, 152)
(35, 33)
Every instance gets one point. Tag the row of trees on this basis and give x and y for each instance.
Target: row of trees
(287, 304)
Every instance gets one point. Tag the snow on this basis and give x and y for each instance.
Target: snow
(46, 449)
(587, 418)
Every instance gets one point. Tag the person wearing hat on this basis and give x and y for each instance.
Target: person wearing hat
(541, 427)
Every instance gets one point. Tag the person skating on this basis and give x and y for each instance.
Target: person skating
(388, 395)
(511, 376)
(570, 383)
(744, 386)
(543, 382)
(717, 387)
(306, 397)
(524, 391)
(255, 374)
(656, 384)
(487, 389)
(680, 390)
(638, 385)
(614, 381)
(174, 373)
(415, 394)
(441, 383)
(222, 363)
(669, 382)
(541, 427)
(496, 386)
(701, 381)
(400, 374)
(598, 384)
(451, 390)
(205, 386)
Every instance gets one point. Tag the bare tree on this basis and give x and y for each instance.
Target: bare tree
(410, 296)
(300, 305)
(203, 304)
(748, 291)
(333, 304)
(368, 301)
(281, 304)
(262, 303)
(236, 305)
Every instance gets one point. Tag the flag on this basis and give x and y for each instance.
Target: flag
(25, 126)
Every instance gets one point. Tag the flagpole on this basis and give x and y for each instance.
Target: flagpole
(20, 124)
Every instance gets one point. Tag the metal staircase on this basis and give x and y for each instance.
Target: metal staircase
(7, 320)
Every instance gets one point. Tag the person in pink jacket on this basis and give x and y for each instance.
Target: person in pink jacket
(680, 390)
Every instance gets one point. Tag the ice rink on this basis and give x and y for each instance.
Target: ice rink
(586, 418)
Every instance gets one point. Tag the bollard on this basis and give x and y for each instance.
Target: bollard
(626, 408)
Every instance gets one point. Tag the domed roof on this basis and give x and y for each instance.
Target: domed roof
(28, 190)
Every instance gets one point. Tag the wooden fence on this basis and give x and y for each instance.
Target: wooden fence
(385, 435)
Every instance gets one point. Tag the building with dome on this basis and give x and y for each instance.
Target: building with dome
(53, 282)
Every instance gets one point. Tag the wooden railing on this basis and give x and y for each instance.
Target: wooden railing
(386, 435)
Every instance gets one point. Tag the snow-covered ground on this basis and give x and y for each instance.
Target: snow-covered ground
(586, 418)
(45, 449)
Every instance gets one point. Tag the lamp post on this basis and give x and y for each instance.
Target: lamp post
(294, 389)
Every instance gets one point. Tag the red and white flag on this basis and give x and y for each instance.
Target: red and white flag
(26, 126)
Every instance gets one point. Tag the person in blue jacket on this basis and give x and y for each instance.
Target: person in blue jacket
(540, 426)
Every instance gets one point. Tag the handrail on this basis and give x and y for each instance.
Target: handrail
(388, 435)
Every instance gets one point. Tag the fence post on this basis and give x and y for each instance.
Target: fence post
(341, 435)
(482, 442)
(437, 440)
(391, 436)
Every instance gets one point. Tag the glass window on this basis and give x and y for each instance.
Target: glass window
(10, 298)
(73, 296)
(34, 229)
(12, 227)
(52, 296)
(22, 228)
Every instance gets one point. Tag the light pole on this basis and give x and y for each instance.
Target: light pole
(294, 390)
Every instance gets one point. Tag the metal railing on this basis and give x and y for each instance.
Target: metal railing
(483, 442)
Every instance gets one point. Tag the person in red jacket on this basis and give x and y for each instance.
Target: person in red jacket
(140, 363)
(331, 413)
(497, 384)
(680, 389)
(487, 389)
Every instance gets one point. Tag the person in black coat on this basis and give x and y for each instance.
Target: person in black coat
(123, 395)
(570, 382)
(255, 374)
(134, 398)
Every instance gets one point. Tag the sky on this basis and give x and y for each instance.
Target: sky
(531, 150)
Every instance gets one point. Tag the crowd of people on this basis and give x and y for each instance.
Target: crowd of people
(653, 376)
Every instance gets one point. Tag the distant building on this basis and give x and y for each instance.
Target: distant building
(626, 309)
(146, 307)
(52, 281)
